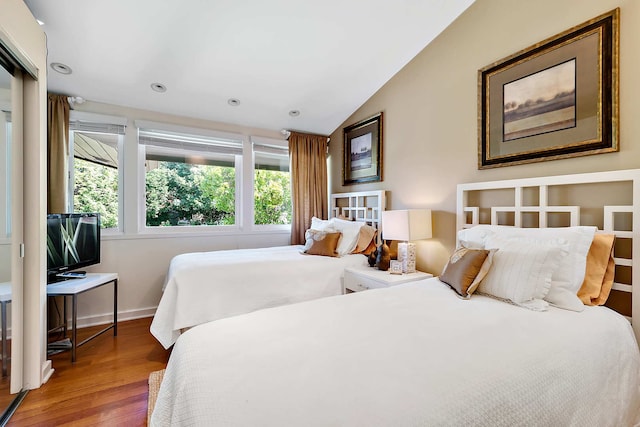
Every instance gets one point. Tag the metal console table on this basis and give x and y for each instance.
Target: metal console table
(75, 287)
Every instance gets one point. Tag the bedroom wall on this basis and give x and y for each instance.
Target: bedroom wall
(141, 260)
(430, 110)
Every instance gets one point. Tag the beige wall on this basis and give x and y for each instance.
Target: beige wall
(430, 109)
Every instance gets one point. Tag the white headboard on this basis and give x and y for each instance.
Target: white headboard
(609, 200)
(365, 206)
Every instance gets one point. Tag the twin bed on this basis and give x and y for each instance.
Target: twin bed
(207, 286)
(420, 354)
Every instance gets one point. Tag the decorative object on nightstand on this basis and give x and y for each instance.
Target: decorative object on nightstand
(373, 256)
(407, 225)
(383, 259)
(395, 267)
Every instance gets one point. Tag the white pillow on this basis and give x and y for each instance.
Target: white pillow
(350, 232)
(475, 237)
(561, 297)
(568, 278)
(522, 269)
(319, 224)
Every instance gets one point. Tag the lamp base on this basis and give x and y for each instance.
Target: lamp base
(407, 256)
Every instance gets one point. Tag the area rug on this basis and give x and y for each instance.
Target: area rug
(155, 379)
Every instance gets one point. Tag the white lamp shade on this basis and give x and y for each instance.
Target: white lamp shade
(406, 225)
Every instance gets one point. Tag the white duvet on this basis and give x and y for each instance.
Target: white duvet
(205, 286)
(411, 355)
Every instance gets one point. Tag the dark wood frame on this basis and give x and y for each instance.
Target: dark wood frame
(373, 126)
(600, 106)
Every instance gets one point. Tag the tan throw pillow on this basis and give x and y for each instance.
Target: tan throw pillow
(598, 278)
(366, 236)
(465, 269)
(322, 243)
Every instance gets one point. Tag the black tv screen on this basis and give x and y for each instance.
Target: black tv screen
(73, 241)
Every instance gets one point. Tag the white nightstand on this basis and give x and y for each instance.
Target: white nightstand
(363, 278)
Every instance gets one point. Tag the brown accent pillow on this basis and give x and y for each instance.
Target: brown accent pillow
(322, 243)
(366, 235)
(371, 248)
(598, 277)
(464, 271)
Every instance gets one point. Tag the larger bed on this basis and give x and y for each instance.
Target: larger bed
(418, 354)
(206, 286)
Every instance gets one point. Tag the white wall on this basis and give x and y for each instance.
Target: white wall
(141, 260)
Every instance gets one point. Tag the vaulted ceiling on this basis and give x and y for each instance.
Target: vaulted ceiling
(323, 59)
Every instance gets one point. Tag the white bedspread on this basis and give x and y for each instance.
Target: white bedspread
(206, 286)
(411, 355)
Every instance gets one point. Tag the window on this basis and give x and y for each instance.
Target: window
(95, 167)
(271, 183)
(190, 179)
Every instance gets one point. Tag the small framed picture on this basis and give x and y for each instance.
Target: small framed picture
(395, 267)
(363, 151)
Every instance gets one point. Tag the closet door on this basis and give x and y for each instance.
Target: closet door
(11, 212)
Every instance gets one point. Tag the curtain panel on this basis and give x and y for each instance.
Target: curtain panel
(57, 153)
(308, 181)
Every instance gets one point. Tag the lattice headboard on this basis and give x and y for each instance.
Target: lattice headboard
(608, 200)
(365, 206)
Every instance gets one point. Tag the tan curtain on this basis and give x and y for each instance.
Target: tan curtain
(308, 181)
(57, 153)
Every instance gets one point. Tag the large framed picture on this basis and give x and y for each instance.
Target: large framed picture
(363, 151)
(553, 100)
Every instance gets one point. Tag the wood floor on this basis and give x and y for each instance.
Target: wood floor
(107, 386)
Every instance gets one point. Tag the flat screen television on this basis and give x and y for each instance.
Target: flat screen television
(73, 241)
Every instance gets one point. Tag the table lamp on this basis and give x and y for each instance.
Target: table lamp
(407, 225)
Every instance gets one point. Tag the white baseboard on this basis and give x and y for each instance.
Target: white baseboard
(47, 371)
(102, 319)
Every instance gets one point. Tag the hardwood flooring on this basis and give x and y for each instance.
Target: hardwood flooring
(5, 382)
(107, 386)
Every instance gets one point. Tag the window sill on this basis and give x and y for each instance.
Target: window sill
(192, 233)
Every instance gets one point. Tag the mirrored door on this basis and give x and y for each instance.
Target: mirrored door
(8, 245)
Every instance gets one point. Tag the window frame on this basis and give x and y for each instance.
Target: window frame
(257, 140)
(98, 119)
(239, 166)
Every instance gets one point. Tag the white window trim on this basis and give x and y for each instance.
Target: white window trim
(145, 124)
(83, 116)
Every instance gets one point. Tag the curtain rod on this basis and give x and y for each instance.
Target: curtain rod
(287, 134)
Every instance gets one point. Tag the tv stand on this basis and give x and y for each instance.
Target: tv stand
(73, 288)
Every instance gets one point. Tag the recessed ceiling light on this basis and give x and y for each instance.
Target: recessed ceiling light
(294, 113)
(233, 102)
(158, 87)
(61, 68)
(40, 22)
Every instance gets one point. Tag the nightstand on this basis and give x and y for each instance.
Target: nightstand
(363, 278)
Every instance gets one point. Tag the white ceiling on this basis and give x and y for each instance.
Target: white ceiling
(324, 58)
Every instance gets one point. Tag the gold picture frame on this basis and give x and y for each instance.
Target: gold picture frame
(556, 99)
(363, 151)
